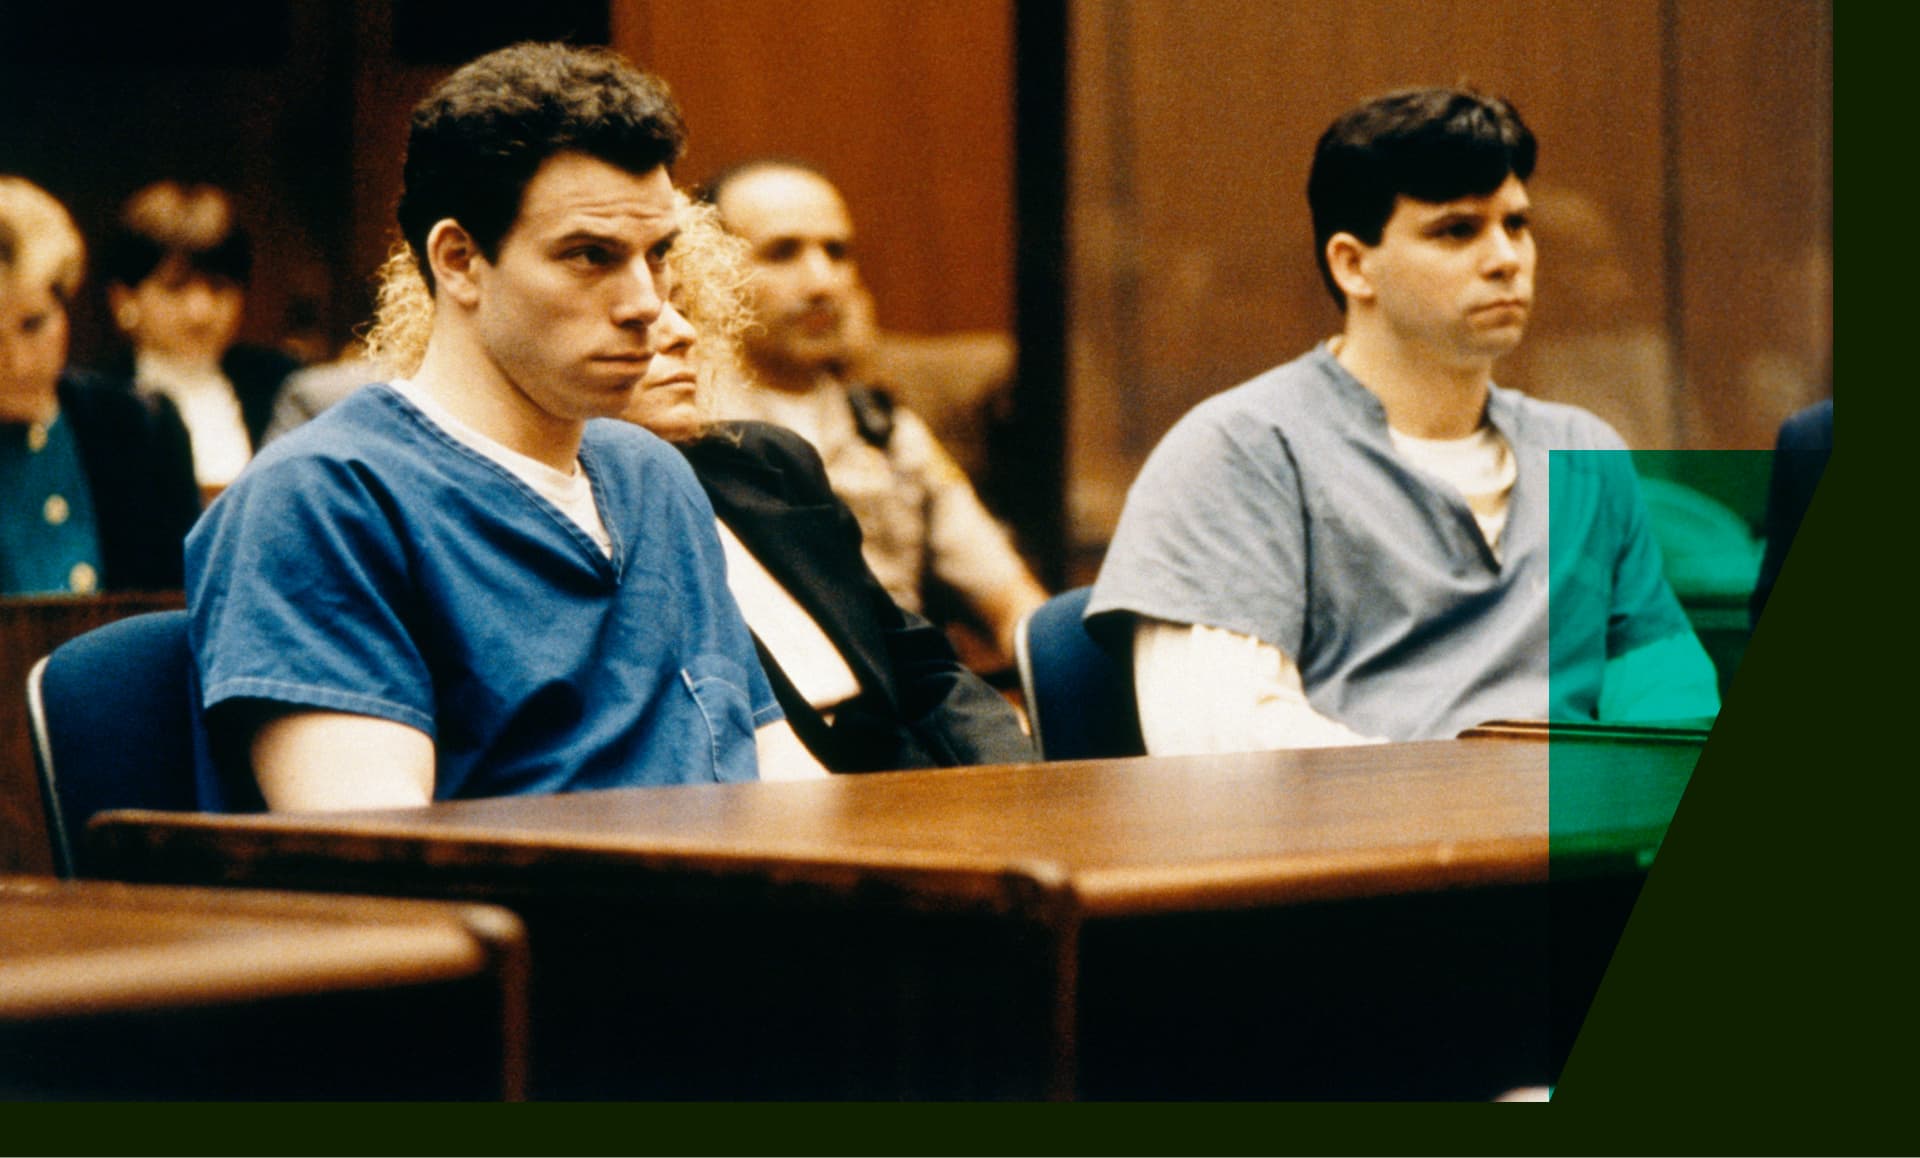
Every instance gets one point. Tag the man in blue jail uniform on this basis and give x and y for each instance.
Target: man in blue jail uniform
(1354, 546)
(462, 584)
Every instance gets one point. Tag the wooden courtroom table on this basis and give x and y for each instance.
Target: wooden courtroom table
(1389, 921)
(123, 991)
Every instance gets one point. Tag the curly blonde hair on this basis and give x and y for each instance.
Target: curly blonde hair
(709, 271)
(402, 314)
(710, 275)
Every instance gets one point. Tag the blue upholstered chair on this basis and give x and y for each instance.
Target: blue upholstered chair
(113, 726)
(1079, 700)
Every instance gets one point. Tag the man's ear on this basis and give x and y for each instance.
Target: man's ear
(454, 256)
(1347, 261)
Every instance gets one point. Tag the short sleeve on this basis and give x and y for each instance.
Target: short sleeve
(967, 549)
(1213, 533)
(300, 593)
(760, 698)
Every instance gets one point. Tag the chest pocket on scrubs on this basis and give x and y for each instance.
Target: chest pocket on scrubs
(719, 689)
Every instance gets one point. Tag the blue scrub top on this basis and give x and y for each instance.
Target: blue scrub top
(371, 563)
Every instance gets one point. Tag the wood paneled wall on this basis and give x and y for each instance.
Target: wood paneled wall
(1753, 176)
(1685, 186)
(1683, 204)
(908, 107)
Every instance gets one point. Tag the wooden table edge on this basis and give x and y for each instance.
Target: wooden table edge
(134, 841)
(300, 943)
(1308, 877)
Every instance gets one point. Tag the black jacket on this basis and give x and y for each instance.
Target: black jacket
(918, 707)
(257, 374)
(139, 468)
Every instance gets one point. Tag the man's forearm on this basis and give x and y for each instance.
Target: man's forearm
(1203, 689)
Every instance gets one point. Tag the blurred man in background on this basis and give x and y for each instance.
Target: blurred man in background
(923, 524)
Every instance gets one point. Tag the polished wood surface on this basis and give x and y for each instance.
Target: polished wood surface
(108, 962)
(1754, 161)
(1691, 731)
(91, 947)
(930, 185)
(30, 627)
(1118, 836)
(1045, 916)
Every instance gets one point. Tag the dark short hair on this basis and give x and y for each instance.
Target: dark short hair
(168, 220)
(478, 139)
(1429, 144)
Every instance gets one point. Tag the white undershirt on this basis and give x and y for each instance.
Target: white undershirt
(1205, 689)
(811, 662)
(571, 492)
(209, 409)
(1480, 466)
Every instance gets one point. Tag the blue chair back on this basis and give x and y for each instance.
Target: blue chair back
(1707, 551)
(113, 726)
(1079, 700)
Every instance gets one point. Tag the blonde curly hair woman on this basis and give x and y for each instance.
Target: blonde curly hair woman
(709, 274)
(866, 685)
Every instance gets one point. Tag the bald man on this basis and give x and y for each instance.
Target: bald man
(921, 520)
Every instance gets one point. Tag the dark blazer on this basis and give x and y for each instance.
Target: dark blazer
(139, 468)
(257, 374)
(1799, 459)
(918, 707)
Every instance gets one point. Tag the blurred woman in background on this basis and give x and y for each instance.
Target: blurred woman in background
(96, 485)
(176, 273)
(866, 684)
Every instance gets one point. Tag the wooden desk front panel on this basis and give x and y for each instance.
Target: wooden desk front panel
(1015, 931)
(790, 998)
(1459, 994)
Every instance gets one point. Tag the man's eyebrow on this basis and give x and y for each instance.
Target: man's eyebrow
(577, 235)
(666, 243)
